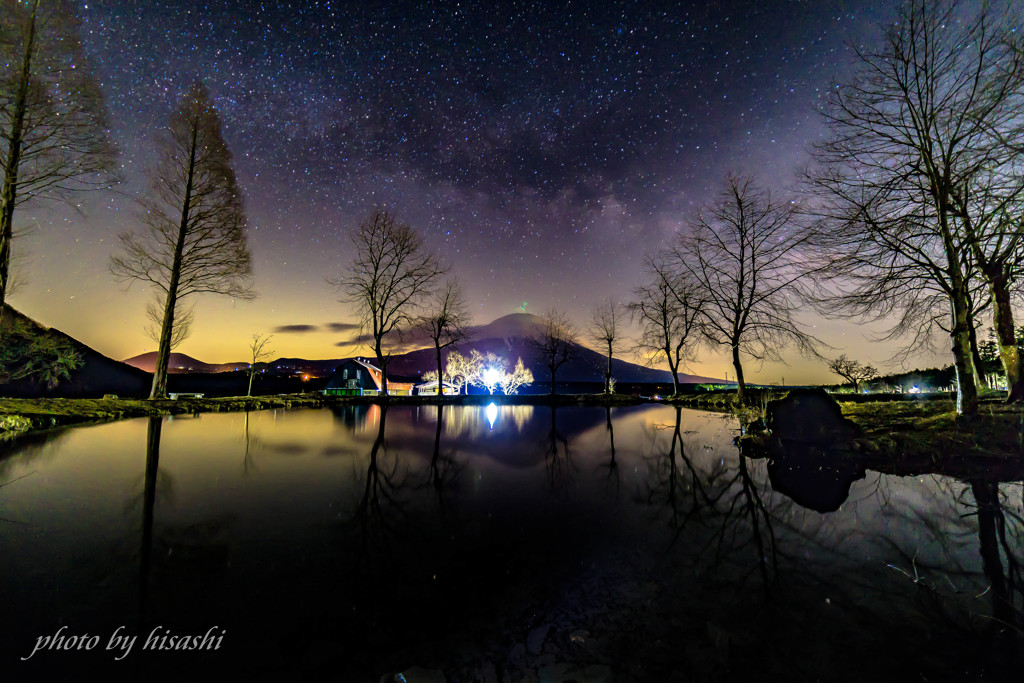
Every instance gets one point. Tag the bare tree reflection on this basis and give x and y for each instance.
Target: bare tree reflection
(444, 468)
(560, 466)
(612, 465)
(381, 512)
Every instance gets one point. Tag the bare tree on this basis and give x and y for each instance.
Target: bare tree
(52, 114)
(520, 376)
(182, 326)
(605, 322)
(555, 341)
(460, 371)
(744, 256)
(194, 241)
(390, 277)
(922, 160)
(260, 354)
(445, 321)
(852, 371)
(668, 311)
(486, 370)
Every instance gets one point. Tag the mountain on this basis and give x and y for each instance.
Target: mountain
(96, 376)
(508, 337)
(178, 363)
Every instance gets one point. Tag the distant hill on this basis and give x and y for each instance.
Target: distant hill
(98, 374)
(508, 337)
(181, 363)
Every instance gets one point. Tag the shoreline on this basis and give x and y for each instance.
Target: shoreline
(893, 426)
(24, 416)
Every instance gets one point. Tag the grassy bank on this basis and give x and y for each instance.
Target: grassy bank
(19, 415)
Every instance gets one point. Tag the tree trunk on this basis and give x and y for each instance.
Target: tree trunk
(1002, 316)
(967, 391)
(383, 372)
(440, 376)
(252, 373)
(148, 508)
(674, 369)
(741, 387)
(990, 520)
(979, 364)
(608, 372)
(9, 193)
(163, 355)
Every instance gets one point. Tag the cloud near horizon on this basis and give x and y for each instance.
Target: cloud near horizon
(341, 327)
(295, 329)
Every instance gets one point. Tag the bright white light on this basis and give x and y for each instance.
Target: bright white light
(491, 377)
(492, 414)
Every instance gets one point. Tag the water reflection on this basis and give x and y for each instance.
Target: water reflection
(429, 538)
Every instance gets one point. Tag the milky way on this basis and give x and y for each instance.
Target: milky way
(541, 148)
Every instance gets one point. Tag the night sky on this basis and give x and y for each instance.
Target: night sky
(540, 148)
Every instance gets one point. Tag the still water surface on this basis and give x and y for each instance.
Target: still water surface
(512, 543)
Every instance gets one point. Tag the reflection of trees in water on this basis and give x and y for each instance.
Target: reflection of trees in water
(444, 468)
(736, 515)
(612, 465)
(472, 421)
(179, 567)
(940, 539)
(381, 511)
(558, 461)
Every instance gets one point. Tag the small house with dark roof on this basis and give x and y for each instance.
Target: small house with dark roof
(359, 377)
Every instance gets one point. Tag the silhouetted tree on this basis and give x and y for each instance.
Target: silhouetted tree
(852, 371)
(744, 255)
(605, 322)
(445, 321)
(260, 353)
(194, 241)
(555, 341)
(668, 311)
(390, 277)
(919, 172)
(52, 114)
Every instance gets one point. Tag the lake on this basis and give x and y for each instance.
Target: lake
(497, 543)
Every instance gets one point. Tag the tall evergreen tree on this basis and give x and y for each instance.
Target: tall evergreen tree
(195, 237)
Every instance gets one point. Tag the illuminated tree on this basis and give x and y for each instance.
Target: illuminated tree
(194, 241)
(460, 371)
(520, 376)
(605, 322)
(52, 114)
(487, 369)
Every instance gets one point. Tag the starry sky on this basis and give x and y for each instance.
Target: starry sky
(540, 148)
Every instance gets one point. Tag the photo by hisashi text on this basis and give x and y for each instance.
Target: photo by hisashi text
(121, 643)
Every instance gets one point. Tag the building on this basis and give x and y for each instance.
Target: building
(430, 389)
(359, 377)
